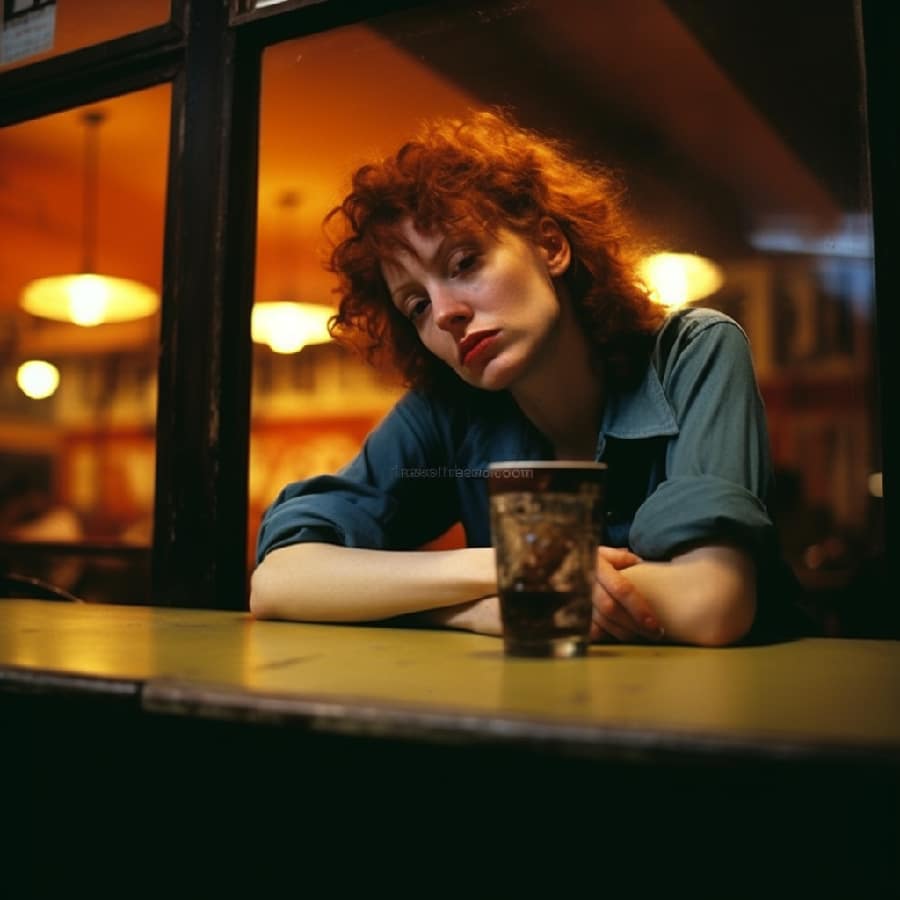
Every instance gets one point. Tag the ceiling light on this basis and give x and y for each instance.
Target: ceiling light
(676, 279)
(287, 326)
(89, 298)
(37, 379)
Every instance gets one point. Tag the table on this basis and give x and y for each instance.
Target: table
(812, 698)
(791, 732)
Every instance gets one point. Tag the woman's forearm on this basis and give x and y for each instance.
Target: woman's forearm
(706, 596)
(327, 583)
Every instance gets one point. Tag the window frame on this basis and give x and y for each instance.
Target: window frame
(211, 54)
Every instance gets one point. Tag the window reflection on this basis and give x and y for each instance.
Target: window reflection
(753, 162)
(79, 462)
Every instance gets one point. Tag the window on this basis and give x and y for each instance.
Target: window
(755, 163)
(80, 454)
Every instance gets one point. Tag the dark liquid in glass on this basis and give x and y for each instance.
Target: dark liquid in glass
(536, 616)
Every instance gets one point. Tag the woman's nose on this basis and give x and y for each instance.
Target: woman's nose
(450, 311)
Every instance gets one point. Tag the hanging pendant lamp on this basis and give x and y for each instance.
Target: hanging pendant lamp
(287, 326)
(676, 279)
(89, 298)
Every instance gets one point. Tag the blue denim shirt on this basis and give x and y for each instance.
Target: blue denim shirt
(687, 450)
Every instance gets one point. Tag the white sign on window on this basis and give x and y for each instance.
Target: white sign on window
(28, 28)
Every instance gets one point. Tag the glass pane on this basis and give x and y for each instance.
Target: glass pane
(38, 29)
(82, 190)
(251, 5)
(753, 161)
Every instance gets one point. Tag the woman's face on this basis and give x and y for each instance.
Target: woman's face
(485, 305)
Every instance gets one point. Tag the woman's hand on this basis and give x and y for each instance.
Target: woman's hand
(620, 611)
(481, 616)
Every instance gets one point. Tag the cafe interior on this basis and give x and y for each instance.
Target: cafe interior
(165, 168)
(749, 174)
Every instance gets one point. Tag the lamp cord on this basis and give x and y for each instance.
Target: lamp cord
(92, 120)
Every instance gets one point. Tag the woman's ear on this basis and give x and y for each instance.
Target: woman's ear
(554, 246)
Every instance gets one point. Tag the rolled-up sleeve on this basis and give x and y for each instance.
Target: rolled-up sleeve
(391, 496)
(717, 467)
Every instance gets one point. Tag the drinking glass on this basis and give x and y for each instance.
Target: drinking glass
(546, 523)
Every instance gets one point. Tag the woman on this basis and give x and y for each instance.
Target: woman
(497, 273)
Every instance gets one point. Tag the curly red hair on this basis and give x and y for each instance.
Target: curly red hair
(488, 170)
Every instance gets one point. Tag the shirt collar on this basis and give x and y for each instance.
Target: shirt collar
(641, 412)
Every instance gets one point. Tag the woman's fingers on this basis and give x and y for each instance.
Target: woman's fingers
(618, 557)
(614, 619)
(599, 629)
(622, 609)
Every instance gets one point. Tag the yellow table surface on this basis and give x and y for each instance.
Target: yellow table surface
(808, 697)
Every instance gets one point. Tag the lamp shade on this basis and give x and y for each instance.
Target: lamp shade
(676, 279)
(88, 299)
(288, 326)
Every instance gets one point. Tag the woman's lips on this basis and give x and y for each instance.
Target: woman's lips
(473, 349)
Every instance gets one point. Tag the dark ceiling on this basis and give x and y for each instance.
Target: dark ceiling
(720, 114)
(799, 63)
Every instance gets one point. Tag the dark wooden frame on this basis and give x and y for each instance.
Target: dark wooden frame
(211, 54)
(880, 23)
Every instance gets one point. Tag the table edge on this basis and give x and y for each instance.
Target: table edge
(370, 718)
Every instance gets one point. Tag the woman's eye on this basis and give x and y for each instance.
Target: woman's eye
(464, 263)
(417, 307)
